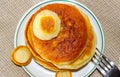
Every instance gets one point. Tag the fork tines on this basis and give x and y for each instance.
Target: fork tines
(103, 64)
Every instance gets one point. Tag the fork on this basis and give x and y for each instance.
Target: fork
(105, 66)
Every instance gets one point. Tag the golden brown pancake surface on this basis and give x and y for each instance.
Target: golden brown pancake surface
(70, 44)
(71, 40)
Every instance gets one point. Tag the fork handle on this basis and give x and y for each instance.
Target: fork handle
(115, 72)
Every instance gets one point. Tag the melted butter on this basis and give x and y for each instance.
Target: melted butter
(47, 24)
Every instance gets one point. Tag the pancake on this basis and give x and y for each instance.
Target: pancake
(72, 48)
(70, 42)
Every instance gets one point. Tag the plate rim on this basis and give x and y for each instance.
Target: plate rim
(71, 2)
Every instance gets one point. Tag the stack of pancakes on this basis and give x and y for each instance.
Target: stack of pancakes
(73, 45)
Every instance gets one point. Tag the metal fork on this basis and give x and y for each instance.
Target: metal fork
(105, 66)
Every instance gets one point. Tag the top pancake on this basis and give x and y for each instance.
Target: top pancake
(70, 42)
(72, 48)
(82, 60)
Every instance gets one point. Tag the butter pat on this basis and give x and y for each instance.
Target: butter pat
(46, 25)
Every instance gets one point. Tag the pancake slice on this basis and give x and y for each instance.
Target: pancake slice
(21, 56)
(63, 74)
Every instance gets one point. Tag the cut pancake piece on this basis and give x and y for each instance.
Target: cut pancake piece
(21, 56)
(64, 73)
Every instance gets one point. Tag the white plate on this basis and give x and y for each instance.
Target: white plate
(34, 69)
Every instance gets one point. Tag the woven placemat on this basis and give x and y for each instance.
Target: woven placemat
(107, 11)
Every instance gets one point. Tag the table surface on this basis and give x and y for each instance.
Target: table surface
(11, 11)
